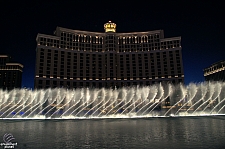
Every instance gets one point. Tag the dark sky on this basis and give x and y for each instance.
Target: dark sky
(199, 23)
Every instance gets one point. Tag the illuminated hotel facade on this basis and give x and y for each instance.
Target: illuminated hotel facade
(74, 58)
(10, 73)
(216, 72)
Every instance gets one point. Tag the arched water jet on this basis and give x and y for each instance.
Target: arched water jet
(222, 96)
(217, 92)
(94, 95)
(130, 96)
(78, 96)
(108, 96)
(24, 97)
(18, 101)
(30, 102)
(158, 98)
(154, 92)
(192, 90)
(27, 97)
(124, 95)
(211, 87)
(123, 99)
(183, 94)
(51, 100)
(68, 96)
(144, 91)
(134, 97)
(201, 99)
(217, 106)
(4, 97)
(123, 102)
(220, 109)
(59, 99)
(10, 97)
(169, 93)
(123, 92)
(103, 92)
(114, 97)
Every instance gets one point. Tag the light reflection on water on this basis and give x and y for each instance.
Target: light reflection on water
(185, 132)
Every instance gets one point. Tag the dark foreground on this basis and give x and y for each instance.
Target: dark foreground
(155, 133)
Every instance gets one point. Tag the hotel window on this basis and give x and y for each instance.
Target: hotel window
(40, 82)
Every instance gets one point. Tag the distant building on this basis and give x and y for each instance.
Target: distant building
(216, 72)
(74, 58)
(10, 73)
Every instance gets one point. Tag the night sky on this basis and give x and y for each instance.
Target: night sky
(201, 25)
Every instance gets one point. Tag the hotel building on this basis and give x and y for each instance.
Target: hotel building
(10, 73)
(74, 58)
(216, 72)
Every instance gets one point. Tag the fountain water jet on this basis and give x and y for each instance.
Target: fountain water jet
(78, 96)
(216, 94)
(206, 98)
(114, 96)
(154, 92)
(95, 94)
(183, 92)
(211, 93)
(169, 93)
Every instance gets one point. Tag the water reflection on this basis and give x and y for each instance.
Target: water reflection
(187, 132)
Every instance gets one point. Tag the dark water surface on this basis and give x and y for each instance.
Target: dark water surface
(154, 133)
